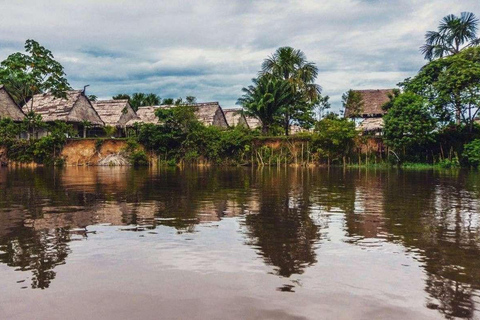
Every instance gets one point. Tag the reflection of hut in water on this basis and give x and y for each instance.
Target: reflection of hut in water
(116, 213)
(367, 218)
(105, 179)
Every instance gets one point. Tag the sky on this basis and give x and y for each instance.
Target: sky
(211, 49)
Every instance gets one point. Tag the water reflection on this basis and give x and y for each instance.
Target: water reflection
(286, 216)
(282, 230)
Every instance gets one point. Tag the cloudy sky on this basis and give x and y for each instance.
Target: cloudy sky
(211, 49)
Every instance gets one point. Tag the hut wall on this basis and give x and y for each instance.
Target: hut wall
(84, 110)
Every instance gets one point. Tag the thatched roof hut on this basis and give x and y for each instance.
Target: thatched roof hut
(8, 107)
(211, 114)
(372, 102)
(115, 113)
(75, 108)
(235, 117)
(145, 115)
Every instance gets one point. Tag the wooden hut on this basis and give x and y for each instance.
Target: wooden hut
(116, 114)
(235, 117)
(370, 109)
(76, 109)
(8, 106)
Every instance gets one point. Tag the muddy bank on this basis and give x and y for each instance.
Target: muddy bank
(95, 152)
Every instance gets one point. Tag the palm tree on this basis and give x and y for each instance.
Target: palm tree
(266, 99)
(151, 99)
(291, 65)
(454, 33)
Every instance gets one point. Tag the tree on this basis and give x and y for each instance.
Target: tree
(454, 33)
(121, 96)
(168, 101)
(471, 153)
(32, 122)
(151, 99)
(321, 106)
(92, 97)
(409, 123)
(291, 65)
(334, 137)
(139, 99)
(353, 102)
(266, 100)
(190, 100)
(451, 85)
(25, 75)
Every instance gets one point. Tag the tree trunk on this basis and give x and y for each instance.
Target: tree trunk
(287, 122)
(458, 110)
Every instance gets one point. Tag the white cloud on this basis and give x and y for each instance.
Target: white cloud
(211, 48)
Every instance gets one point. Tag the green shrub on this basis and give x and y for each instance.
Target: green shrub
(139, 158)
(471, 153)
(449, 163)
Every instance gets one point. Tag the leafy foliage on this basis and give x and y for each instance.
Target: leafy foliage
(181, 137)
(139, 99)
(37, 71)
(334, 137)
(44, 150)
(267, 100)
(451, 85)
(291, 65)
(472, 153)
(353, 102)
(409, 123)
(453, 34)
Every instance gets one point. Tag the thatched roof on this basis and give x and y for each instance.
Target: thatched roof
(372, 100)
(8, 107)
(209, 112)
(371, 125)
(145, 115)
(115, 113)
(74, 108)
(253, 123)
(235, 117)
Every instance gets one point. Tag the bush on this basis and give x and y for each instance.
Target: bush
(43, 151)
(471, 153)
(139, 158)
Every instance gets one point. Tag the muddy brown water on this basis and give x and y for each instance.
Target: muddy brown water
(124, 243)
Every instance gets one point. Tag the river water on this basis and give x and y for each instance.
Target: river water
(124, 243)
